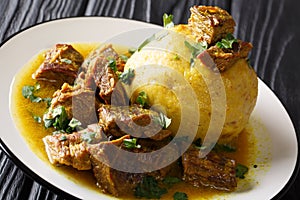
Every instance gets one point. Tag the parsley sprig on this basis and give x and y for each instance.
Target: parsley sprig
(168, 20)
(29, 92)
(227, 42)
(195, 50)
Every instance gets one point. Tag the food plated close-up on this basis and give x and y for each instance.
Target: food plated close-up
(138, 110)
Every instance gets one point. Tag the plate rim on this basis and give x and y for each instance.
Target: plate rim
(35, 177)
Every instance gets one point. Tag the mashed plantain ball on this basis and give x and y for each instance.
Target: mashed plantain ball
(171, 94)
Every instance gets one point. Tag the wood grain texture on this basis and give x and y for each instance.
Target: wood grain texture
(271, 25)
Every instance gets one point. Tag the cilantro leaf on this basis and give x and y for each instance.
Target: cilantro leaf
(149, 188)
(147, 41)
(127, 76)
(142, 99)
(124, 58)
(38, 119)
(240, 171)
(226, 43)
(168, 20)
(195, 50)
(112, 63)
(88, 136)
(163, 120)
(131, 143)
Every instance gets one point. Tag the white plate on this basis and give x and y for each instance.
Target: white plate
(19, 49)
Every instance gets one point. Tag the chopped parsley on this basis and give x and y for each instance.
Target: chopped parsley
(147, 41)
(112, 63)
(28, 92)
(63, 138)
(38, 119)
(159, 36)
(131, 143)
(163, 120)
(127, 76)
(240, 171)
(124, 58)
(180, 196)
(58, 118)
(131, 50)
(142, 99)
(67, 61)
(168, 20)
(88, 136)
(195, 50)
(227, 42)
(149, 189)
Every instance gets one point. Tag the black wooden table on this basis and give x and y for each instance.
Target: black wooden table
(272, 26)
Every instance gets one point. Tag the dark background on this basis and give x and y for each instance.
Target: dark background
(272, 27)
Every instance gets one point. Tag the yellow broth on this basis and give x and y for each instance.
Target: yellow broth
(23, 111)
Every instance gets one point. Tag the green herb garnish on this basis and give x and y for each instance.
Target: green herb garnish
(195, 49)
(147, 41)
(168, 20)
(127, 76)
(112, 63)
(149, 189)
(226, 43)
(38, 119)
(88, 136)
(142, 99)
(180, 196)
(163, 120)
(63, 138)
(58, 118)
(240, 171)
(131, 143)
(28, 91)
(65, 60)
(131, 50)
(124, 58)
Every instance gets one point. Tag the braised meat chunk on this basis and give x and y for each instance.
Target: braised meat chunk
(78, 103)
(100, 71)
(71, 149)
(106, 157)
(61, 65)
(210, 24)
(134, 120)
(213, 170)
(224, 58)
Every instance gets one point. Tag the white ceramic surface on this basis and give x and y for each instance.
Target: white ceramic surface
(281, 148)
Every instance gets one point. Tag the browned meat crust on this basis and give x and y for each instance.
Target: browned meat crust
(97, 72)
(61, 65)
(117, 182)
(118, 121)
(210, 23)
(213, 170)
(78, 102)
(225, 58)
(71, 149)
